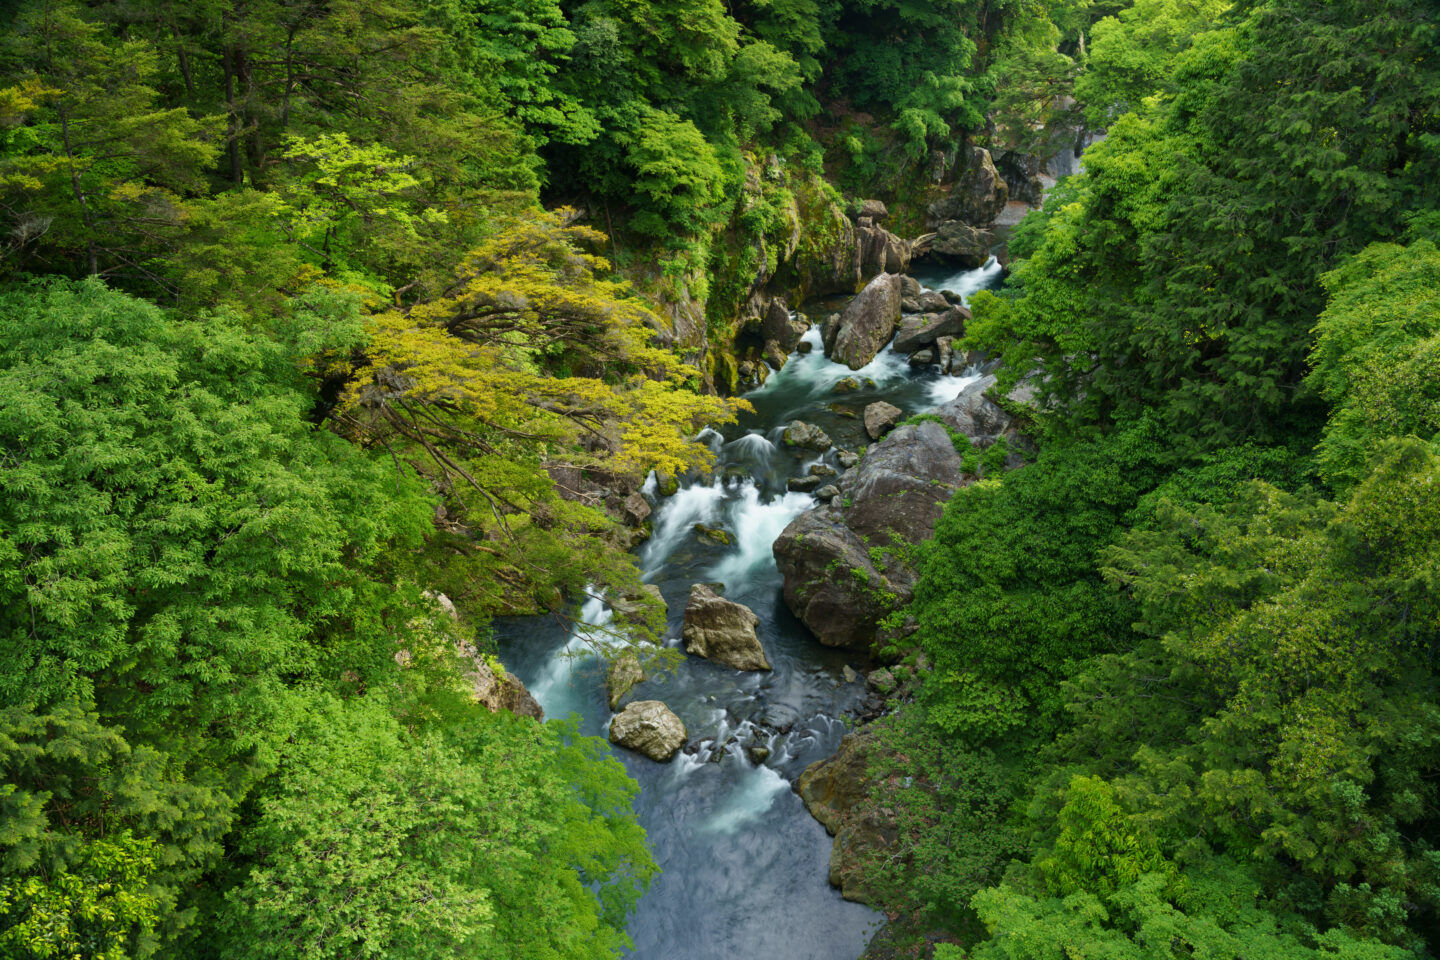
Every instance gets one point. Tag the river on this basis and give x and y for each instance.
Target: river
(744, 864)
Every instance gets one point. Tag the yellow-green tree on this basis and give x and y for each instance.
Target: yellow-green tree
(530, 360)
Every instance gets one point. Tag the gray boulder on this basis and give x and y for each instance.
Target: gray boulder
(873, 209)
(910, 287)
(881, 418)
(922, 358)
(932, 301)
(806, 436)
(974, 414)
(648, 727)
(868, 322)
(779, 327)
(893, 496)
(722, 630)
(977, 197)
(923, 330)
(827, 493)
(803, 484)
(961, 243)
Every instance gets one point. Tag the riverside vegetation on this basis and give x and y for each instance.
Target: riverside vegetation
(313, 312)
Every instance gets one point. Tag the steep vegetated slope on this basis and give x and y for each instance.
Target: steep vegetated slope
(293, 355)
(1190, 647)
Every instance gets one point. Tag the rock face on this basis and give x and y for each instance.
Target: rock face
(881, 417)
(921, 331)
(974, 414)
(893, 496)
(978, 197)
(868, 322)
(648, 727)
(806, 436)
(722, 630)
(624, 673)
(1022, 173)
(834, 791)
(500, 691)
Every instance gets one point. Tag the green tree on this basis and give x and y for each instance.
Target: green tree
(376, 842)
(1377, 355)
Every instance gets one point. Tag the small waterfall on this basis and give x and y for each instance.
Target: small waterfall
(552, 688)
(945, 389)
(755, 453)
(969, 282)
(756, 524)
(697, 503)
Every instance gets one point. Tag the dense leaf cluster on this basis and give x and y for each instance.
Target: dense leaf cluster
(1196, 636)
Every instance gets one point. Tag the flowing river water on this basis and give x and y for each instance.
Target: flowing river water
(744, 864)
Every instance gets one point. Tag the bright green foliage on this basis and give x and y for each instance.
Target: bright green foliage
(1219, 918)
(676, 174)
(1002, 614)
(174, 536)
(1377, 356)
(1097, 850)
(1187, 276)
(372, 842)
(92, 910)
(92, 167)
(1133, 53)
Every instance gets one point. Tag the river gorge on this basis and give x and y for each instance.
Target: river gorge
(744, 864)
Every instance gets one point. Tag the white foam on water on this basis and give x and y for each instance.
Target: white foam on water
(947, 388)
(552, 688)
(697, 503)
(651, 487)
(756, 523)
(969, 282)
(754, 798)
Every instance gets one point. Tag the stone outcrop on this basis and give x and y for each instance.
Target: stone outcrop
(976, 415)
(499, 690)
(960, 243)
(868, 322)
(893, 497)
(495, 688)
(648, 727)
(881, 418)
(977, 197)
(624, 673)
(1022, 173)
(723, 630)
(922, 330)
(835, 792)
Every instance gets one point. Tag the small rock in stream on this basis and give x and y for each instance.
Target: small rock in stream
(803, 484)
(827, 493)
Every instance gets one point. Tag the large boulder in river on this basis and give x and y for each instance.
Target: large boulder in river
(868, 322)
(918, 332)
(962, 244)
(782, 328)
(834, 582)
(624, 673)
(648, 727)
(881, 418)
(723, 630)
